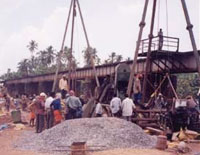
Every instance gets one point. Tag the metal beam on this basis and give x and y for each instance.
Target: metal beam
(148, 63)
(142, 25)
(88, 45)
(61, 49)
(189, 28)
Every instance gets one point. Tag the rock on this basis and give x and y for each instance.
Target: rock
(106, 131)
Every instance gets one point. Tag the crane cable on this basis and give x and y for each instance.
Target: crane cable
(158, 20)
(167, 23)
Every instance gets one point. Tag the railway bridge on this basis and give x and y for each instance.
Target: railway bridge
(162, 62)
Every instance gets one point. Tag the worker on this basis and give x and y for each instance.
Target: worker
(191, 104)
(161, 40)
(39, 104)
(115, 106)
(63, 86)
(2, 102)
(7, 102)
(137, 89)
(24, 102)
(48, 110)
(74, 106)
(127, 108)
(17, 102)
(159, 101)
(56, 106)
(32, 114)
(98, 109)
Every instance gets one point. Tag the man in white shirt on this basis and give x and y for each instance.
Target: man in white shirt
(127, 108)
(63, 86)
(98, 109)
(115, 106)
(49, 112)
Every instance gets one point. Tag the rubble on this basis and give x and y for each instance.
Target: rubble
(107, 133)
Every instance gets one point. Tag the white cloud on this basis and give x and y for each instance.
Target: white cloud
(14, 48)
(111, 28)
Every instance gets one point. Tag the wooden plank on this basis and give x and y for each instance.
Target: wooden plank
(144, 119)
(149, 111)
(154, 130)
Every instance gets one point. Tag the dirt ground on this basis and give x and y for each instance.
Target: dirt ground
(8, 136)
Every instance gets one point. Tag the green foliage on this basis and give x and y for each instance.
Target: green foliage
(89, 53)
(113, 58)
(42, 62)
(187, 84)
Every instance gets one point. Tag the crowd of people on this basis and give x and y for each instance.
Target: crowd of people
(49, 110)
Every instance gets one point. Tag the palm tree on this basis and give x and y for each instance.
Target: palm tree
(112, 57)
(42, 57)
(50, 55)
(128, 59)
(87, 53)
(119, 58)
(24, 67)
(32, 46)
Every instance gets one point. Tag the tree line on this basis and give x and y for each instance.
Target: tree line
(45, 61)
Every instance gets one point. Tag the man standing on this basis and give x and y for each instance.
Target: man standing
(137, 89)
(56, 105)
(127, 108)
(98, 109)
(115, 106)
(63, 86)
(7, 103)
(39, 105)
(49, 112)
(74, 106)
(160, 36)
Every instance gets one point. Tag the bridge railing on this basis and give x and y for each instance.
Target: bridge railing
(163, 43)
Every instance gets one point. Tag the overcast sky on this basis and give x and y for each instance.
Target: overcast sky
(112, 26)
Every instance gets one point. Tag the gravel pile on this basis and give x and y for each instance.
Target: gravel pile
(107, 132)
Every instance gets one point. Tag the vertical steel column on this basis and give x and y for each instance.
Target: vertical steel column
(148, 63)
(189, 28)
(142, 25)
(88, 45)
(62, 47)
(71, 81)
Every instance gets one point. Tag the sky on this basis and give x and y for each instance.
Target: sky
(112, 26)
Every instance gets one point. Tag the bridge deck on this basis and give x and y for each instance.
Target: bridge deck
(179, 62)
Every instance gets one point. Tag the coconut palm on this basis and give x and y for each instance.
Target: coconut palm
(50, 55)
(119, 58)
(87, 53)
(112, 57)
(32, 46)
(24, 67)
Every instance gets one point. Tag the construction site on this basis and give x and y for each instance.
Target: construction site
(139, 106)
